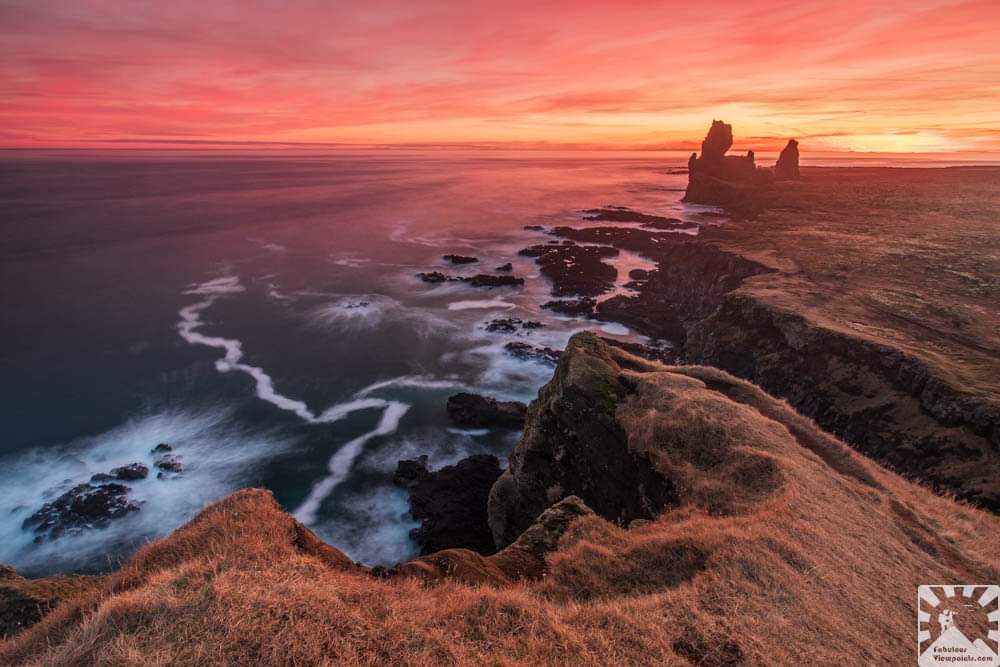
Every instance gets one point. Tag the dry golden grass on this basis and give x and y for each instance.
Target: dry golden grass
(810, 559)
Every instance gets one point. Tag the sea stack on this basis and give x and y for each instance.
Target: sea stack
(787, 166)
(717, 179)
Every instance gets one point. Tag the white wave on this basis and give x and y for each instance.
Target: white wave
(341, 410)
(355, 313)
(494, 304)
(342, 461)
(372, 526)
(414, 381)
(359, 312)
(219, 457)
(217, 286)
(615, 329)
(472, 432)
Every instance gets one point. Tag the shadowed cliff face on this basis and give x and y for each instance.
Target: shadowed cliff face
(631, 438)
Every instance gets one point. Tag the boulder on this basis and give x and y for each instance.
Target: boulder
(475, 411)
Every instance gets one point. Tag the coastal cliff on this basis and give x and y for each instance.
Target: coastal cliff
(854, 297)
(726, 529)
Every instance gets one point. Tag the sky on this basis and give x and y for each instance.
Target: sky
(851, 75)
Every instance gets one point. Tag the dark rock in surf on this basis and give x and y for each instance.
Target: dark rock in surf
(451, 503)
(433, 277)
(460, 259)
(534, 228)
(411, 471)
(131, 472)
(475, 411)
(575, 269)
(622, 214)
(161, 448)
(478, 280)
(505, 267)
(169, 465)
(582, 307)
(526, 352)
(82, 507)
(511, 325)
(484, 280)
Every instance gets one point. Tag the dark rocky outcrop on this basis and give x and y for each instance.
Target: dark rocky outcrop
(528, 352)
(83, 507)
(717, 179)
(169, 463)
(475, 411)
(512, 325)
(460, 259)
(574, 307)
(434, 277)
(478, 280)
(787, 166)
(450, 503)
(484, 280)
(505, 267)
(573, 269)
(883, 401)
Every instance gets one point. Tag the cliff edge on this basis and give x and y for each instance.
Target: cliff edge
(726, 529)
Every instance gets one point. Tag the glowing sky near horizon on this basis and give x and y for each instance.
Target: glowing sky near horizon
(921, 75)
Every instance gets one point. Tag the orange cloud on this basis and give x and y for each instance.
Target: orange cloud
(922, 75)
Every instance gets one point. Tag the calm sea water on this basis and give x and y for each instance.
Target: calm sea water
(262, 316)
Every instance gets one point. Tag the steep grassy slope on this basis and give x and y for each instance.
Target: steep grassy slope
(756, 539)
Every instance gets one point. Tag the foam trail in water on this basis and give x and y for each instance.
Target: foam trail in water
(343, 460)
(188, 327)
(481, 303)
(414, 381)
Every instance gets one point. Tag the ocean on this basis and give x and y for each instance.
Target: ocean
(262, 315)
